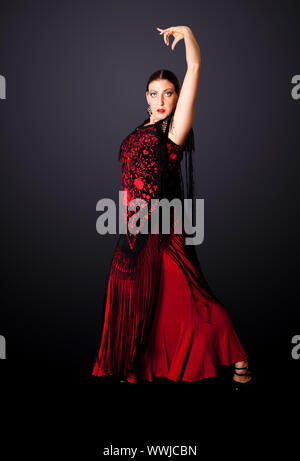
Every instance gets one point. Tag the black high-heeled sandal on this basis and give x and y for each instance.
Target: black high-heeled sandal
(241, 385)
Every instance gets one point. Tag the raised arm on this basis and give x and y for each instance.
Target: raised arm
(185, 108)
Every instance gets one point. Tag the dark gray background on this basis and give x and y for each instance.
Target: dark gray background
(76, 73)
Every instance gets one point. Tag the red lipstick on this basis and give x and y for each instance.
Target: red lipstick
(161, 111)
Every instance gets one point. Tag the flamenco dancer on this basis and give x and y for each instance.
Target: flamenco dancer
(160, 317)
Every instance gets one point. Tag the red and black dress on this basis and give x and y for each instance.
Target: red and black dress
(160, 317)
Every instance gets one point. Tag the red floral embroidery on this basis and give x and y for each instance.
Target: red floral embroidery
(139, 170)
(139, 183)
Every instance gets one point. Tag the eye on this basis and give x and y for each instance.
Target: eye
(151, 94)
(169, 93)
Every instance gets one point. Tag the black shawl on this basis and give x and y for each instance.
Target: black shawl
(186, 191)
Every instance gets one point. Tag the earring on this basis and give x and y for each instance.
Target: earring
(149, 110)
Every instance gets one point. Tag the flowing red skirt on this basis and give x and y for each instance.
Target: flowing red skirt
(192, 333)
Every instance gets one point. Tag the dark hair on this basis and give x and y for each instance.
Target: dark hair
(164, 74)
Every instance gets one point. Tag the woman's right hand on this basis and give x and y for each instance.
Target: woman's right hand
(177, 31)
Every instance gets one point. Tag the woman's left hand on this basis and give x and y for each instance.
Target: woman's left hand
(177, 31)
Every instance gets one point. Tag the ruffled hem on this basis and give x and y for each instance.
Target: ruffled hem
(133, 379)
(187, 364)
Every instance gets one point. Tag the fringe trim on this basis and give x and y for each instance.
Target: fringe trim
(133, 294)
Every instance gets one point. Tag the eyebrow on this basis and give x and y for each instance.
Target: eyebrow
(164, 90)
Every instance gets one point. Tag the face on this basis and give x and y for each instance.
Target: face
(162, 98)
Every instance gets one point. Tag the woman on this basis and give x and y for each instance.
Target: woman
(161, 319)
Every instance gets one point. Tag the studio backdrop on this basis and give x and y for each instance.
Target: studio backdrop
(72, 86)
